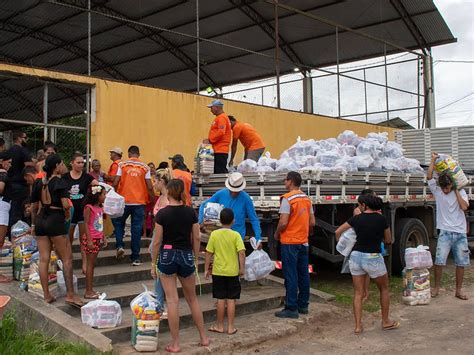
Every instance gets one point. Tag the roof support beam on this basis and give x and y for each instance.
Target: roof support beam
(263, 24)
(411, 25)
(59, 43)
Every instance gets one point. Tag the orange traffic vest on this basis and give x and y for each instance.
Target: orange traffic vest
(297, 230)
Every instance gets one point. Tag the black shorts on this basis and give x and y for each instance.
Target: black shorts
(226, 287)
(220, 163)
(50, 223)
(77, 215)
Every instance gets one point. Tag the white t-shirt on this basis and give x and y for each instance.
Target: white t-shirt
(449, 215)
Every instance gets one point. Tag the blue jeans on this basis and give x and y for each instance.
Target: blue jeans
(176, 261)
(455, 242)
(138, 217)
(295, 270)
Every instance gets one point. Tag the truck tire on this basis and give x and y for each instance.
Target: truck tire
(409, 233)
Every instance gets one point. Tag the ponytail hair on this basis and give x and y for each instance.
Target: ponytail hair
(164, 174)
(50, 164)
(375, 203)
(176, 190)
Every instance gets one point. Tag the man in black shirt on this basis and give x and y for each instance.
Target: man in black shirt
(19, 191)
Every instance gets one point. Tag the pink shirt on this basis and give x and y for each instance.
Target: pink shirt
(96, 222)
(157, 206)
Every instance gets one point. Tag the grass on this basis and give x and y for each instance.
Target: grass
(343, 290)
(14, 341)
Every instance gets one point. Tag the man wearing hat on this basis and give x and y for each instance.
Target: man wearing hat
(180, 171)
(116, 156)
(235, 198)
(219, 136)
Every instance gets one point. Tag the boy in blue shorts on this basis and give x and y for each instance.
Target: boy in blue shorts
(228, 250)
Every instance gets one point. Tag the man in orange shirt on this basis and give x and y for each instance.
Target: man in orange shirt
(219, 136)
(180, 171)
(250, 139)
(116, 156)
(296, 223)
(133, 182)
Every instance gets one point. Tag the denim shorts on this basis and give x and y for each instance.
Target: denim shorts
(371, 264)
(455, 242)
(176, 261)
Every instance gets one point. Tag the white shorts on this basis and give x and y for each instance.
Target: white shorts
(4, 212)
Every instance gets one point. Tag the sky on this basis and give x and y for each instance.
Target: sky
(454, 81)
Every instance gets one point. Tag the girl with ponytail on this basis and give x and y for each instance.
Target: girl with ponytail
(50, 206)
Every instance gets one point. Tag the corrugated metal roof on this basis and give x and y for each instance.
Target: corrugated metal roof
(54, 36)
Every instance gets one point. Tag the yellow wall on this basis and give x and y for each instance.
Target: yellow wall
(163, 122)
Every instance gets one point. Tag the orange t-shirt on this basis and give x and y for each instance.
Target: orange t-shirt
(133, 175)
(248, 136)
(40, 175)
(113, 170)
(220, 134)
(297, 230)
(187, 179)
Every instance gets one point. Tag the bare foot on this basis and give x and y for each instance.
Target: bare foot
(172, 348)
(358, 330)
(92, 295)
(434, 292)
(461, 296)
(49, 299)
(205, 341)
(365, 299)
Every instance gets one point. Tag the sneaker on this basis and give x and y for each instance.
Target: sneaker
(303, 310)
(286, 313)
(120, 253)
(136, 262)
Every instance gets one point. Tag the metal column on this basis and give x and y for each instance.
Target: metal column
(429, 116)
(308, 93)
(277, 54)
(365, 98)
(386, 81)
(45, 112)
(88, 126)
(198, 49)
(418, 91)
(338, 76)
(89, 38)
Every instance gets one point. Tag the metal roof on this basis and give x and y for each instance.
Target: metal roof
(53, 34)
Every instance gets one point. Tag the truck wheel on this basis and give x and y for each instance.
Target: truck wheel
(409, 233)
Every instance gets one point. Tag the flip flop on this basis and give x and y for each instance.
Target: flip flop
(233, 332)
(169, 350)
(95, 297)
(74, 304)
(215, 330)
(394, 325)
(359, 332)
(462, 297)
(51, 300)
(434, 294)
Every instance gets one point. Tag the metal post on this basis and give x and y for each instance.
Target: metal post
(277, 54)
(338, 77)
(308, 93)
(262, 94)
(430, 119)
(89, 38)
(386, 81)
(198, 54)
(365, 98)
(45, 112)
(88, 125)
(418, 90)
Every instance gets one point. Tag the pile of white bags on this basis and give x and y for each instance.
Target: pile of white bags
(147, 312)
(101, 313)
(258, 264)
(348, 153)
(346, 242)
(416, 276)
(114, 204)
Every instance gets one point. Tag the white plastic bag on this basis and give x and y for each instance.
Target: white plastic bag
(286, 164)
(346, 242)
(370, 147)
(328, 159)
(114, 204)
(348, 137)
(447, 164)
(62, 291)
(267, 160)
(19, 229)
(101, 313)
(264, 169)
(258, 264)
(381, 137)
(364, 161)
(247, 166)
(418, 258)
(392, 150)
(212, 212)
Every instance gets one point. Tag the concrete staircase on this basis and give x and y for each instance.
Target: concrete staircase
(122, 282)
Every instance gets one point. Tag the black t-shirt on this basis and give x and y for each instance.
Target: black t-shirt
(177, 223)
(57, 189)
(4, 179)
(369, 228)
(20, 156)
(77, 189)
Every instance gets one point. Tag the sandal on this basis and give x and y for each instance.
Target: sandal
(359, 332)
(394, 325)
(233, 332)
(461, 297)
(215, 330)
(95, 297)
(75, 304)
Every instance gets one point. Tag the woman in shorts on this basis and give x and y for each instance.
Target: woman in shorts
(371, 229)
(178, 252)
(48, 225)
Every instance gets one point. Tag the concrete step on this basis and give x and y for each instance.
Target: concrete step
(144, 243)
(255, 298)
(108, 257)
(119, 274)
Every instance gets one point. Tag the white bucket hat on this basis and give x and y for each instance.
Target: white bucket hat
(236, 182)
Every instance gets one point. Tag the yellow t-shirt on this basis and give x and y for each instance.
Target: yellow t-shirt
(225, 244)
